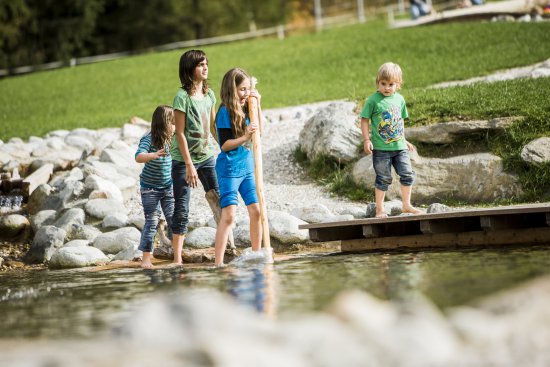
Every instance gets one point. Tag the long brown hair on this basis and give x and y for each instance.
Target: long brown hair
(188, 62)
(161, 131)
(228, 93)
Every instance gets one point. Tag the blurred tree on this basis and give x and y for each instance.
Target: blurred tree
(39, 31)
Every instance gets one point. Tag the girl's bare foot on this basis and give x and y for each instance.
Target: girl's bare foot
(412, 210)
(146, 261)
(381, 215)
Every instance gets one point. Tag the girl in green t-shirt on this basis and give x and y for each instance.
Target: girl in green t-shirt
(192, 153)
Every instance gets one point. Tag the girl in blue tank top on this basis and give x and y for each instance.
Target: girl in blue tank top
(235, 163)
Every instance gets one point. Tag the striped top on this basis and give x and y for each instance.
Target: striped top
(157, 173)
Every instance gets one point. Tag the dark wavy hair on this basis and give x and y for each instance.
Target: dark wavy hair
(161, 133)
(188, 62)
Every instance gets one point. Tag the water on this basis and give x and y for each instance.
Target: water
(84, 303)
(9, 203)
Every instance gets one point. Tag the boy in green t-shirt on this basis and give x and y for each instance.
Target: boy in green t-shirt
(385, 112)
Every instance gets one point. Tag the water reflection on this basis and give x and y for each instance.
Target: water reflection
(253, 286)
(84, 303)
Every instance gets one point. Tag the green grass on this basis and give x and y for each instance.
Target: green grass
(335, 64)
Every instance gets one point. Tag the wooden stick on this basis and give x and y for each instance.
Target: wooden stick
(254, 116)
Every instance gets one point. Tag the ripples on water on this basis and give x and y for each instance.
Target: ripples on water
(84, 303)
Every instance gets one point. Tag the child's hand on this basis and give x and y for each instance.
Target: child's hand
(160, 153)
(255, 93)
(410, 147)
(251, 129)
(367, 146)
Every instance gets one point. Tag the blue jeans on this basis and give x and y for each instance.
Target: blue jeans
(182, 192)
(382, 162)
(153, 200)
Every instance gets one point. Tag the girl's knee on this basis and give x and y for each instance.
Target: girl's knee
(227, 217)
(254, 211)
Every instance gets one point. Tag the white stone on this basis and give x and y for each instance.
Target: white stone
(537, 151)
(118, 240)
(76, 257)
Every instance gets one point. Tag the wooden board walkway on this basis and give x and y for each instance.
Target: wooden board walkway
(510, 225)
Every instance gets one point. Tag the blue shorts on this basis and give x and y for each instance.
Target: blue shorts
(245, 185)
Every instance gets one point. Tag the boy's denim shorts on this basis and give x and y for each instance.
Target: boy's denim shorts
(383, 161)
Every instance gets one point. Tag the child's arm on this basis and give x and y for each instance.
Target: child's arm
(231, 144)
(190, 171)
(367, 144)
(146, 157)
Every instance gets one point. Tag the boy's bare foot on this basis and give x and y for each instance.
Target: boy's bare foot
(412, 210)
(146, 261)
(381, 215)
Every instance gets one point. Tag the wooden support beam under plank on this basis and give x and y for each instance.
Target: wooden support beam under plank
(334, 234)
(465, 224)
(527, 236)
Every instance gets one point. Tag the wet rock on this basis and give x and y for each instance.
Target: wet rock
(46, 241)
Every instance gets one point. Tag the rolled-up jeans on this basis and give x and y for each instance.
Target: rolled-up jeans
(383, 161)
(182, 192)
(153, 200)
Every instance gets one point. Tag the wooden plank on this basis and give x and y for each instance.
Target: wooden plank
(507, 210)
(528, 236)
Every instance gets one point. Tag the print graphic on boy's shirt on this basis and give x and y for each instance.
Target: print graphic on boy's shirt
(391, 124)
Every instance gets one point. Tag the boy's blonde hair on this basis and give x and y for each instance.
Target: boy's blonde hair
(391, 72)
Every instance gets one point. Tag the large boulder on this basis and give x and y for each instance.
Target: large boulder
(448, 132)
(472, 178)
(332, 132)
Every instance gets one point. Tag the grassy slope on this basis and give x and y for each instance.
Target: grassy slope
(335, 64)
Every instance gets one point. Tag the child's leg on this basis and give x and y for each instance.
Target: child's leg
(180, 219)
(381, 162)
(255, 226)
(402, 164)
(150, 200)
(379, 196)
(222, 232)
(146, 262)
(248, 192)
(406, 199)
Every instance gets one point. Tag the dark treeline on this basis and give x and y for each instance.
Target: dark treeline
(40, 31)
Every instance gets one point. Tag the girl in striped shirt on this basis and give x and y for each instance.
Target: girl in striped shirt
(156, 178)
